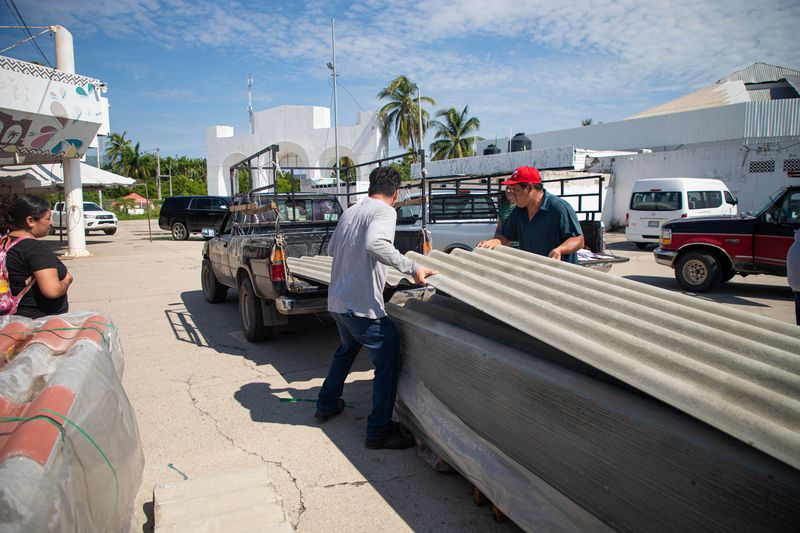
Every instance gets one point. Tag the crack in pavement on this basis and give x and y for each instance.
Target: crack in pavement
(302, 508)
(364, 482)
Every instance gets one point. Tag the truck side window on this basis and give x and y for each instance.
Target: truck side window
(790, 212)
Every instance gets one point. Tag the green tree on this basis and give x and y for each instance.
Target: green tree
(136, 164)
(117, 147)
(586, 122)
(288, 183)
(455, 134)
(401, 113)
(347, 173)
(404, 167)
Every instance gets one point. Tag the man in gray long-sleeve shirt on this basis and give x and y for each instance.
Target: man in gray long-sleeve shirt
(363, 248)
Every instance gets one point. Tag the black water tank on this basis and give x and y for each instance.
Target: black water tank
(491, 150)
(520, 142)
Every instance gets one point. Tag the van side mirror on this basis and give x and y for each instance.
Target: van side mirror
(733, 200)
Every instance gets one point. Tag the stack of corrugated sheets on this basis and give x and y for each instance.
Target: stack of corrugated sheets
(578, 400)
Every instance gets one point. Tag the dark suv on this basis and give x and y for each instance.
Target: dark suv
(183, 215)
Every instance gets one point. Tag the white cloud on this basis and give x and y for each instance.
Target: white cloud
(546, 62)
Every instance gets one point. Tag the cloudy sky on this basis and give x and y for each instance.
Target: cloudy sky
(175, 67)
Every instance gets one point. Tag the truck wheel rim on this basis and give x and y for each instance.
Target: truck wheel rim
(178, 231)
(695, 272)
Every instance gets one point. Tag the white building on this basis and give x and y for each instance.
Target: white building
(305, 137)
(744, 130)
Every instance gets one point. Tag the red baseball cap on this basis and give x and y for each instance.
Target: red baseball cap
(523, 175)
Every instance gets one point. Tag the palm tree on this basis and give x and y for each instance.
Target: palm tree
(455, 134)
(117, 147)
(401, 113)
(135, 164)
(586, 122)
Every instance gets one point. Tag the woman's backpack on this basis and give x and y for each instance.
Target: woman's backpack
(9, 302)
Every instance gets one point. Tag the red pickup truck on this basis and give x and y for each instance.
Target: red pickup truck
(707, 251)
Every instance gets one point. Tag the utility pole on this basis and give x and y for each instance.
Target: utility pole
(170, 177)
(158, 171)
(332, 66)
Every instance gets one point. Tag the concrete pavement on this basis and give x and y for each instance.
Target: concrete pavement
(208, 401)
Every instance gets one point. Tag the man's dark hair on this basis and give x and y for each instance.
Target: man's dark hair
(383, 180)
(537, 186)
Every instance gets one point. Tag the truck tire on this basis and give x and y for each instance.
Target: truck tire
(698, 272)
(727, 275)
(110, 231)
(179, 231)
(213, 290)
(642, 245)
(251, 315)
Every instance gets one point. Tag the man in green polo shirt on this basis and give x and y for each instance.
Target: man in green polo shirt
(542, 223)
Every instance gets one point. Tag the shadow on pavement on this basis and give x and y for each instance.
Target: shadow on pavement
(627, 246)
(300, 353)
(728, 293)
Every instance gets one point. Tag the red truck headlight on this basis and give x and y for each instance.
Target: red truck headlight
(666, 236)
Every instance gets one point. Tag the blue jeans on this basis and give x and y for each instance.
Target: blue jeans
(797, 307)
(379, 336)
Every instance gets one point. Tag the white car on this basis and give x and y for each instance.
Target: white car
(95, 218)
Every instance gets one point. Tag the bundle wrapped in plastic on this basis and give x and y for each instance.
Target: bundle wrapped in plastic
(70, 454)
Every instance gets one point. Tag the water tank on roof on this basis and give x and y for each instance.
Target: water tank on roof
(491, 150)
(520, 142)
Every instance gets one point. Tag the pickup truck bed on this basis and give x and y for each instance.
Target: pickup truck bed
(249, 254)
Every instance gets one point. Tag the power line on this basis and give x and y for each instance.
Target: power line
(18, 16)
(352, 97)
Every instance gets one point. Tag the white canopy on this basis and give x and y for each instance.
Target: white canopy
(50, 176)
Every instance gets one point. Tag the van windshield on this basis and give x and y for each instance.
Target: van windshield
(656, 201)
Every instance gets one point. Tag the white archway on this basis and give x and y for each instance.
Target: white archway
(226, 188)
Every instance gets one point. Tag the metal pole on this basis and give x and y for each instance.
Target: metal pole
(421, 133)
(275, 149)
(335, 106)
(147, 207)
(158, 171)
(100, 189)
(170, 177)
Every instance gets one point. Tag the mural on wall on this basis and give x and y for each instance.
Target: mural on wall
(60, 123)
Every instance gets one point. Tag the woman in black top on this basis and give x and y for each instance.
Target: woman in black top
(29, 216)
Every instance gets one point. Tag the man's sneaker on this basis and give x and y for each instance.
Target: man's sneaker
(398, 439)
(336, 411)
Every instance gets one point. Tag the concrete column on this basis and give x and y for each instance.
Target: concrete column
(73, 198)
(73, 188)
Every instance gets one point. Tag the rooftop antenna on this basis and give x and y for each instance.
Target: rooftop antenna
(250, 103)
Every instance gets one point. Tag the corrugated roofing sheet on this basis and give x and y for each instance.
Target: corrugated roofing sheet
(727, 93)
(736, 371)
(318, 268)
(776, 118)
(760, 73)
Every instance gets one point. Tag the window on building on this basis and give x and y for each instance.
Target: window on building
(791, 165)
(757, 167)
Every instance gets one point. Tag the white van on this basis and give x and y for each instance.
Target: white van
(656, 201)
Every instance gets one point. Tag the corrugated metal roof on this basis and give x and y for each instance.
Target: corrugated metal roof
(777, 118)
(732, 92)
(760, 73)
(733, 370)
